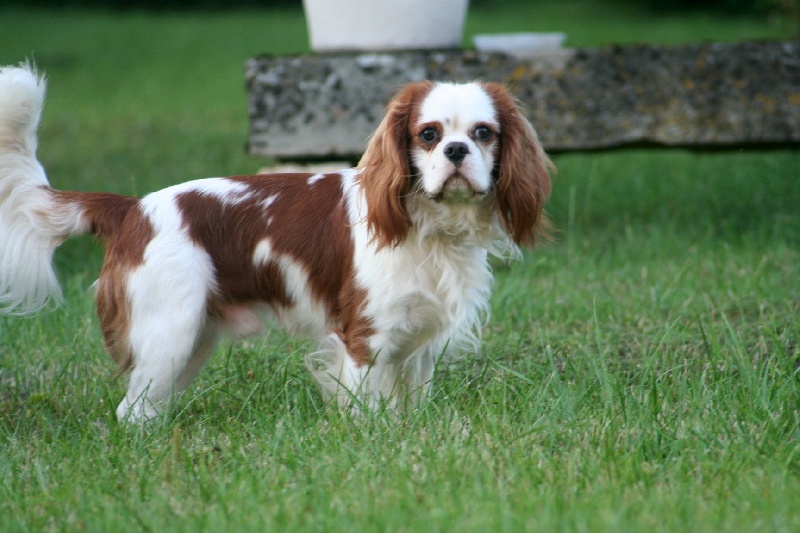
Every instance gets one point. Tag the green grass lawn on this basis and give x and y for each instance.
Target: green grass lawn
(640, 373)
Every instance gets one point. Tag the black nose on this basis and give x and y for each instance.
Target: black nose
(456, 152)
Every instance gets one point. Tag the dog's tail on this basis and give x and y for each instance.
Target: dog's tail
(34, 218)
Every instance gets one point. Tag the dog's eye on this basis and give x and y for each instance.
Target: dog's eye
(428, 135)
(483, 134)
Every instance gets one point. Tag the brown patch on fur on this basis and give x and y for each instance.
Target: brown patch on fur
(124, 251)
(356, 328)
(386, 175)
(105, 212)
(230, 233)
(125, 232)
(522, 173)
(307, 223)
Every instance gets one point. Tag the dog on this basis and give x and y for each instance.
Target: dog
(384, 266)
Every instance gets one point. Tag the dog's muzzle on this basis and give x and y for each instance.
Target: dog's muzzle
(458, 189)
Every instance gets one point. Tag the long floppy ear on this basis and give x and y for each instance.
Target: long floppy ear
(522, 173)
(385, 168)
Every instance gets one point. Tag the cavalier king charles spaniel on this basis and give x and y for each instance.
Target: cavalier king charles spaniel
(385, 267)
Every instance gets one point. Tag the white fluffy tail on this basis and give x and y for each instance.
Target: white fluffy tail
(28, 236)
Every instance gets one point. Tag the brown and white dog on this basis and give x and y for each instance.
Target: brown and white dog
(384, 266)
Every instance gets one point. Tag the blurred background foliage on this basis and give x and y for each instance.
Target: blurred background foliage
(721, 6)
(786, 12)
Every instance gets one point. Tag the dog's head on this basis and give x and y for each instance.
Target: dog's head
(455, 144)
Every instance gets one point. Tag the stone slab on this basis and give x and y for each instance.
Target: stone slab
(705, 96)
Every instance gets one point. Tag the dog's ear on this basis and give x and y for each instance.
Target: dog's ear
(385, 168)
(522, 172)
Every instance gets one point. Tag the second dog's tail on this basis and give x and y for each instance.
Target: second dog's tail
(34, 218)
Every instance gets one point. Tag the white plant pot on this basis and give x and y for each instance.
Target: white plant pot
(374, 25)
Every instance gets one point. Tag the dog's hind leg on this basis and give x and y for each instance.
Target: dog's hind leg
(170, 336)
(165, 361)
(155, 379)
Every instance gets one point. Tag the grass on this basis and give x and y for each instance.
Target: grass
(639, 374)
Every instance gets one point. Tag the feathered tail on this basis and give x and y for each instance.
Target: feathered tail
(32, 222)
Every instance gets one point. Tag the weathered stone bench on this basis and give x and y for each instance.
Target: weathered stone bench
(705, 96)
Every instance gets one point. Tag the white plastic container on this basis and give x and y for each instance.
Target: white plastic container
(375, 25)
